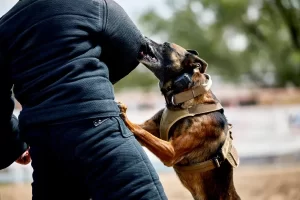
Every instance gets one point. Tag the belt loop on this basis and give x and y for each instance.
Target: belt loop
(123, 128)
(193, 92)
(121, 124)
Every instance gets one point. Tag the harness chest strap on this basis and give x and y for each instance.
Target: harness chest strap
(228, 152)
(170, 117)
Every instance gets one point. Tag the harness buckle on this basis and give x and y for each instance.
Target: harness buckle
(230, 135)
(216, 162)
(172, 101)
(193, 92)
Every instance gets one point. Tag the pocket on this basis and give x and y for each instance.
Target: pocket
(125, 132)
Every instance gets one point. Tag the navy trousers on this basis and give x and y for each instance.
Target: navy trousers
(97, 159)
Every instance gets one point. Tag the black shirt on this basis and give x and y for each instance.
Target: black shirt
(61, 58)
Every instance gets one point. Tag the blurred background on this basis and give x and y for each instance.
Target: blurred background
(253, 51)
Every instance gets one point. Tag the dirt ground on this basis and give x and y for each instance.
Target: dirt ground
(259, 183)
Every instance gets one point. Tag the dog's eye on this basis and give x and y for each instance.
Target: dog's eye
(198, 65)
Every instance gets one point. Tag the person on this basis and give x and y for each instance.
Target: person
(59, 60)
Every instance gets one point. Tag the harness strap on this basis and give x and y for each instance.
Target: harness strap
(202, 167)
(193, 92)
(204, 108)
(170, 117)
(227, 151)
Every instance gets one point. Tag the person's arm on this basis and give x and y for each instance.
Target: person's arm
(121, 41)
(11, 146)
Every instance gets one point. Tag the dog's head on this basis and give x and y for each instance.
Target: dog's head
(176, 67)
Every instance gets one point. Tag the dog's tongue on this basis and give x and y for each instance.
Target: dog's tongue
(141, 55)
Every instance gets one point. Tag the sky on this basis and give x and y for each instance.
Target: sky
(134, 7)
(5, 5)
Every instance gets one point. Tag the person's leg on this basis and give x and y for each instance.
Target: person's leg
(52, 177)
(113, 163)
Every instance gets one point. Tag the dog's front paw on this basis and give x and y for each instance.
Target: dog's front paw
(122, 107)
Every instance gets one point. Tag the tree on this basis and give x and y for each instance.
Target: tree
(255, 41)
(140, 78)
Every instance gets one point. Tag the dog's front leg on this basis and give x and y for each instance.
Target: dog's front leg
(152, 125)
(168, 152)
(146, 134)
(162, 149)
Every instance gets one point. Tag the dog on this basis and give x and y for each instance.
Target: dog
(191, 134)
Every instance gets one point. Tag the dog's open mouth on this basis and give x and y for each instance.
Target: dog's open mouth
(147, 54)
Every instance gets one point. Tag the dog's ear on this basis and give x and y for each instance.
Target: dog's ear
(193, 52)
(203, 65)
(191, 60)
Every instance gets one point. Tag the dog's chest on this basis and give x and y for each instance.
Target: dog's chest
(169, 118)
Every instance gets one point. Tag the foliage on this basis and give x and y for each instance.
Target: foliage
(242, 40)
(139, 78)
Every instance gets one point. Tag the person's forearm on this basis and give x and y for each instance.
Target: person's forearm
(122, 41)
(11, 145)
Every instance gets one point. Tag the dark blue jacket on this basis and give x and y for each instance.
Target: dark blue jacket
(59, 58)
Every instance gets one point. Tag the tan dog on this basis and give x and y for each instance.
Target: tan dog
(191, 134)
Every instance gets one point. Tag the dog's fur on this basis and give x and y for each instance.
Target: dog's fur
(192, 139)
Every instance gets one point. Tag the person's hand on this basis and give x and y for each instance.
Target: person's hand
(24, 159)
